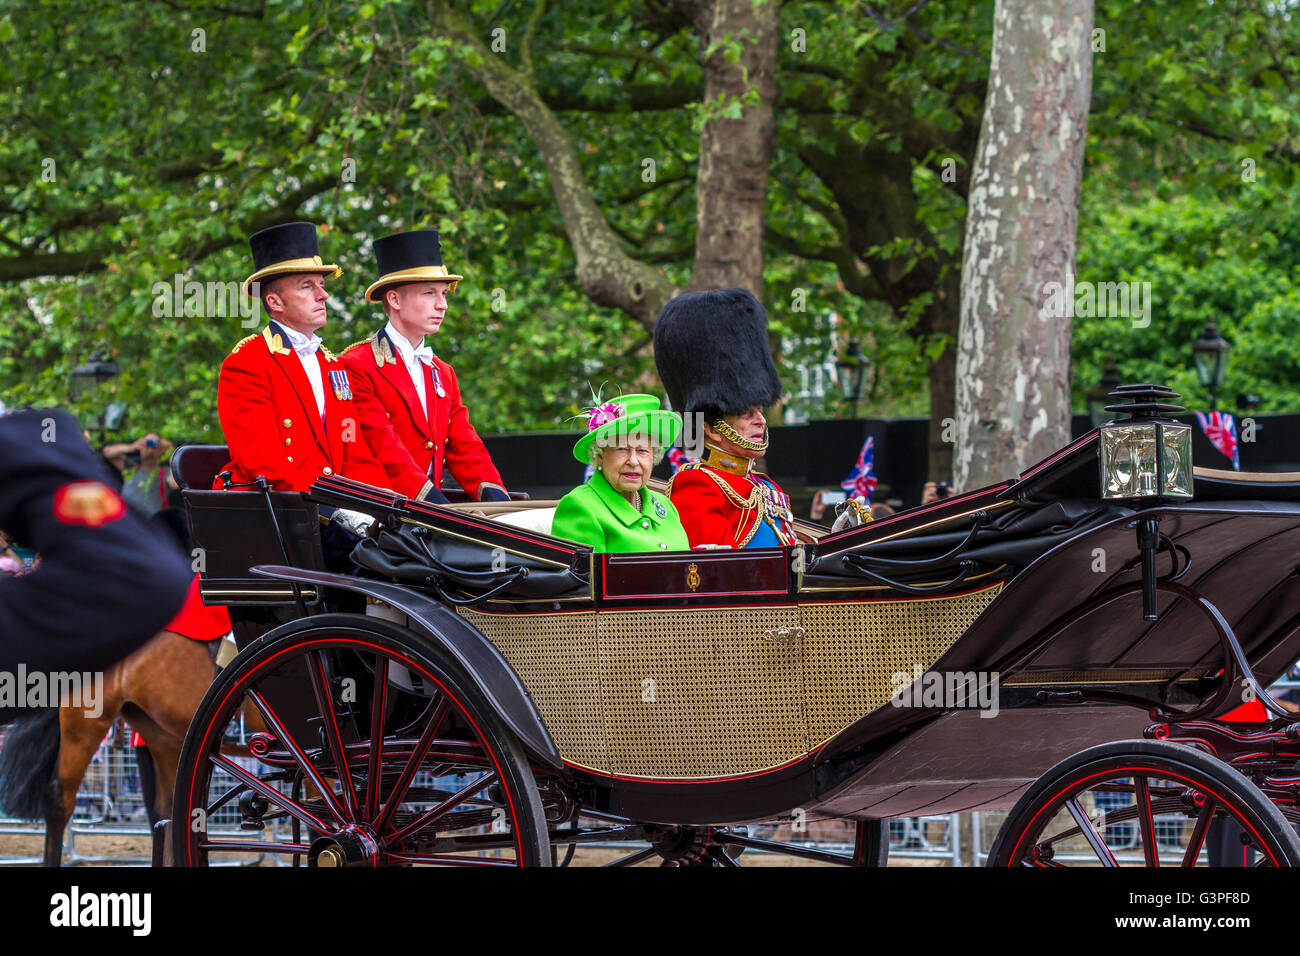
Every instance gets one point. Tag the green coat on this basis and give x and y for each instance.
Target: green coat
(597, 515)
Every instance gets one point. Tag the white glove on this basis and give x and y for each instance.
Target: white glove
(354, 522)
(852, 513)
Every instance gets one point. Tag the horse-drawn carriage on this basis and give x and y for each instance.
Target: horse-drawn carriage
(485, 693)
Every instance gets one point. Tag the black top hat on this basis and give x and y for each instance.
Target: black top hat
(284, 249)
(414, 256)
(712, 353)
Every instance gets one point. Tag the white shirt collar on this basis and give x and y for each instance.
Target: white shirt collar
(298, 340)
(402, 343)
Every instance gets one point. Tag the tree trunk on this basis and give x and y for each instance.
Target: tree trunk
(1013, 354)
(731, 185)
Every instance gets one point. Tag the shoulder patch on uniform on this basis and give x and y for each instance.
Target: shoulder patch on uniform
(242, 342)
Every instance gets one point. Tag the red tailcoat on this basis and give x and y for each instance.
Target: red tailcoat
(413, 446)
(712, 516)
(268, 415)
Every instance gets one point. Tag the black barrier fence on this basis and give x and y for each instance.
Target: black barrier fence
(820, 454)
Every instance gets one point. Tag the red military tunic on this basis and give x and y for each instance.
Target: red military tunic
(272, 425)
(721, 502)
(413, 446)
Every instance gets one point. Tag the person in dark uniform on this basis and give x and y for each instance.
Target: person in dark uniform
(107, 582)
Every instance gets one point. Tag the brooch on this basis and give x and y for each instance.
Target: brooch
(660, 508)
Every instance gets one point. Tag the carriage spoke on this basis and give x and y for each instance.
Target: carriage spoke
(299, 755)
(333, 736)
(378, 699)
(442, 809)
(256, 846)
(786, 849)
(1150, 851)
(1095, 839)
(446, 860)
(1199, 831)
(413, 763)
(297, 810)
(634, 858)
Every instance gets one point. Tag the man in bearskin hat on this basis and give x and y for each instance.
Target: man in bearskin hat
(712, 354)
(286, 404)
(416, 423)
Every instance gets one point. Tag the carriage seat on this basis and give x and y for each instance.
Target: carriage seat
(531, 519)
(196, 466)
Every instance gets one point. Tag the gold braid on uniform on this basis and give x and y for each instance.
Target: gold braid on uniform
(755, 502)
(733, 436)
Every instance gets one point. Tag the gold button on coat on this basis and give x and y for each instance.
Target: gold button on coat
(290, 459)
(288, 423)
(327, 470)
(428, 444)
(287, 442)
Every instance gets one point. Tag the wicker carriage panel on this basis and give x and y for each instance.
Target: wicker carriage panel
(555, 656)
(851, 651)
(701, 692)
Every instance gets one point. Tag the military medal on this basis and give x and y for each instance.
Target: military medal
(342, 388)
(437, 381)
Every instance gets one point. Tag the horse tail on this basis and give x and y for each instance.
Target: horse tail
(27, 761)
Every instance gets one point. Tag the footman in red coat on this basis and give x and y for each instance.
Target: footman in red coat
(416, 424)
(287, 406)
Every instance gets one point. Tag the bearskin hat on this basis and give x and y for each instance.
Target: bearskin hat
(712, 353)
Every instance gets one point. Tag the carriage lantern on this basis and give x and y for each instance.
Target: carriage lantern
(1147, 455)
(1146, 458)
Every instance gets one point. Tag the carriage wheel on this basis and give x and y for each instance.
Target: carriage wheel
(371, 749)
(1108, 804)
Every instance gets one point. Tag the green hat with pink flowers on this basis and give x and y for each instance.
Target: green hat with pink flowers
(610, 424)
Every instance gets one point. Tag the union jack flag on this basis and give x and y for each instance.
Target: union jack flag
(861, 480)
(1221, 429)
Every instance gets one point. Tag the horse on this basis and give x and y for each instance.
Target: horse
(157, 689)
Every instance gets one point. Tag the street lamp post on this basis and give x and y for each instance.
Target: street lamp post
(851, 367)
(1099, 395)
(1210, 356)
(89, 376)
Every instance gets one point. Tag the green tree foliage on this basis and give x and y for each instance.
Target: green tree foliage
(168, 152)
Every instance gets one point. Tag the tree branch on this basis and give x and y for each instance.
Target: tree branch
(604, 270)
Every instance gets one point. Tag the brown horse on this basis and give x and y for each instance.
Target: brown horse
(158, 689)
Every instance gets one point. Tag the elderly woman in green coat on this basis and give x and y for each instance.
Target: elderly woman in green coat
(614, 510)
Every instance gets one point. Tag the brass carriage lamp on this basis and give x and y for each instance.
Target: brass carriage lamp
(1147, 455)
(1146, 458)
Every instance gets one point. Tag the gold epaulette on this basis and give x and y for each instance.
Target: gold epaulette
(242, 342)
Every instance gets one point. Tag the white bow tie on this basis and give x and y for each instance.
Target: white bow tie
(423, 354)
(309, 347)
